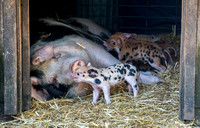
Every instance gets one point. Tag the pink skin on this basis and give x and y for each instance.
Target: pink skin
(96, 89)
(70, 57)
(38, 94)
(76, 75)
(44, 54)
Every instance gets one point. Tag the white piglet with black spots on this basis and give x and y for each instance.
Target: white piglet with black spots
(104, 78)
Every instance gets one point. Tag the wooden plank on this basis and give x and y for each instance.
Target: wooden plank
(181, 87)
(190, 52)
(6, 118)
(19, 56)
(10, 57)
(26, 92)
(197, 73)
(1, 64)
(188, 49)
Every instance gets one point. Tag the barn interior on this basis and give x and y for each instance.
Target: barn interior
(139, 16)
(156, 106)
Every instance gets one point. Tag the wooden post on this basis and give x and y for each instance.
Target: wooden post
(26, 84)
(1, 64)
(197, 73)
(10, 57)
(15, 89)
(190, 61)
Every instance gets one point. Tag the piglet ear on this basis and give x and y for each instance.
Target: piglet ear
(105, 43)
(108, 48)
(89, 64)
(127, 35)
(133, 35)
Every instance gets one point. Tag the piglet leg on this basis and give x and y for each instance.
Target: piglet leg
(130, 90)
(106, 91)
(96, 92)
(157, 66)
(135, 90)
(133, 83)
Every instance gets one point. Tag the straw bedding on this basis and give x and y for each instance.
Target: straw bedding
(156, 106)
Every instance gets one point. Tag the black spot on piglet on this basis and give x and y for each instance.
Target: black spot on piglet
(97, 81)
(92, 73)
(92, 70)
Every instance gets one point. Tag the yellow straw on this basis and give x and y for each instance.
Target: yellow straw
(80, 45)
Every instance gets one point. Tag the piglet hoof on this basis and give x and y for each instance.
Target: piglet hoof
(135, 94)
(108, 102)
(94, 102)
(161, 80)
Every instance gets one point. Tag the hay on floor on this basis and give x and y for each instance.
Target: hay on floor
(156, 106)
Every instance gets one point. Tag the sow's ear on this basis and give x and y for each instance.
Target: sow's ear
(76, 65)
(42, 54)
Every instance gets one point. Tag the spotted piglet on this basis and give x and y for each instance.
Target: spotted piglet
(104, 78)
(130, 49)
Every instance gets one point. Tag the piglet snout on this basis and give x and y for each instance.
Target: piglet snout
(74, 77)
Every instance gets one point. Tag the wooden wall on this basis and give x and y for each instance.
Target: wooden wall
(189, 108)
(15, 87)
